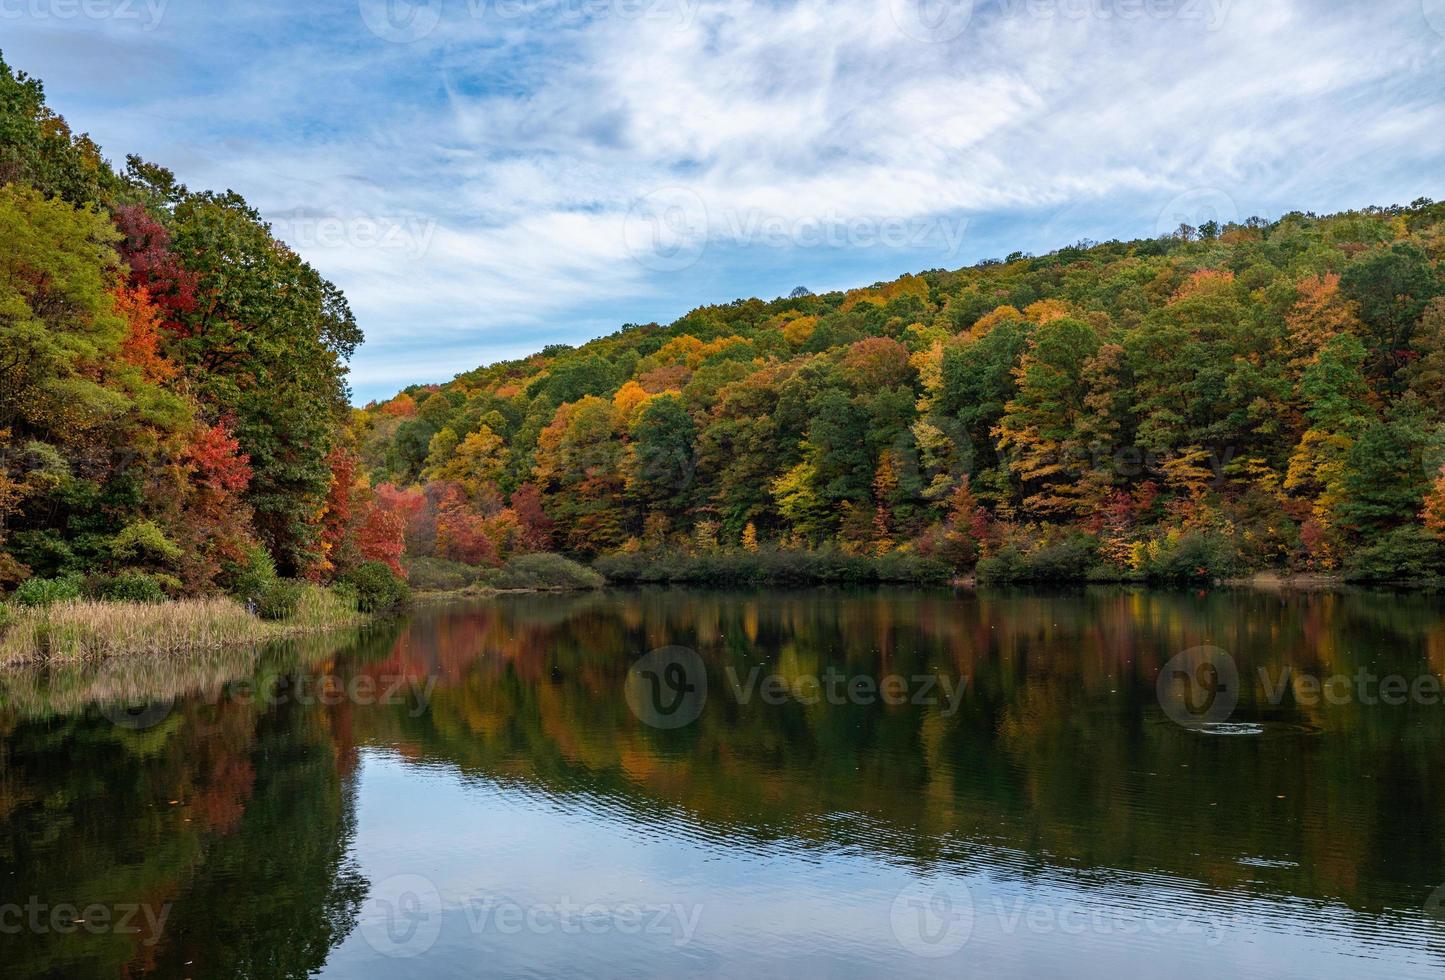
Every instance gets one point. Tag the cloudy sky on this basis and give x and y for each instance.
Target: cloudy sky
(483, 177)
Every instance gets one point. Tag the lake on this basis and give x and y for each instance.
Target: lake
(811, 783)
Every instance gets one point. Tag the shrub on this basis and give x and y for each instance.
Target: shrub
(1405, 554)
(144, 543)
(1069, 560)
(548, 571)
(1191, 556)
(126, 587)
(771, 566)
(377, 587)
(441, 574)
(46, 591)
(279, 599)
(250, 578)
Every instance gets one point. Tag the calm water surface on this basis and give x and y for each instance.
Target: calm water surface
(821, 783)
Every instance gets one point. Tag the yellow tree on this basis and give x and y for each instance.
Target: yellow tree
(477, 461)
(1434, 513)
(885, 489)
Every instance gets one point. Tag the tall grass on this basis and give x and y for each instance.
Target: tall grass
(82, 629)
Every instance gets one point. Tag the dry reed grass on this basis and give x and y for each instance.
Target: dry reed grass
(86, 630)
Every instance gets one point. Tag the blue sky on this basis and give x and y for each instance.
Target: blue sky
(484, 177)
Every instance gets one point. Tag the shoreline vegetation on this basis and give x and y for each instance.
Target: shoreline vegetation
(68, 626)
(89, 629)
(76, 631)
(1190, 409)
(1193, 408)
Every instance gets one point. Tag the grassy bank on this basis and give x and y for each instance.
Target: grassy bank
(82, 629)
(771, 566)
(541, 572)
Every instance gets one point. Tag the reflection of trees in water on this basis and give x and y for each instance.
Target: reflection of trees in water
(237, 814)
(1059, 748)
(1059, 753)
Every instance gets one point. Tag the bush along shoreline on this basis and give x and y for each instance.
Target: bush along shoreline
(75, 618)
(78, 618)
(538, 572)
(771, 566)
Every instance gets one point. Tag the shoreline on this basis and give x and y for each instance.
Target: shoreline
(96, 630)
(92, 630)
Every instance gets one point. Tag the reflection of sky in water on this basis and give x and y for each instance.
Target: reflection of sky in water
(1060, 822)
(806, 909)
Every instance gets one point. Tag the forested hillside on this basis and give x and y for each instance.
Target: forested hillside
(173, 404)
(1261, 395)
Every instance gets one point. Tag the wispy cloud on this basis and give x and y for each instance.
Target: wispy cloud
(520, 172)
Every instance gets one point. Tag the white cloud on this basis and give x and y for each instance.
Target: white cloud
(522, 142)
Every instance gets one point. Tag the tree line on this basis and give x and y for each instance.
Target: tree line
(1263, 394)
(174, 412)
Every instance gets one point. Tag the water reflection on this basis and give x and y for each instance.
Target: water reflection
(271, 801)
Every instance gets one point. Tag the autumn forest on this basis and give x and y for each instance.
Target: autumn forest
(174, 411)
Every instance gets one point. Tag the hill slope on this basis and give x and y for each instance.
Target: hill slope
(1259, 395)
